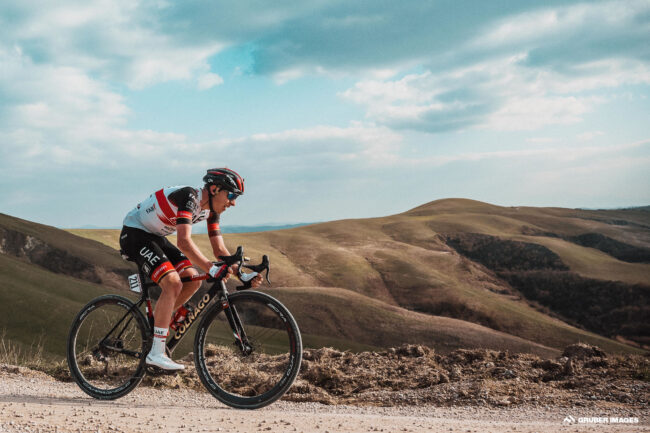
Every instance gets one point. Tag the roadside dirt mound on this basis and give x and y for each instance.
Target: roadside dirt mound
(583, 351)
(413, 375)
(416, 375)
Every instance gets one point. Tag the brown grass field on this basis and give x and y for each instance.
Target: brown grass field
(382, 281)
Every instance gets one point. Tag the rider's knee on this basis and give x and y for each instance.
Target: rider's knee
(192, 285)
(172, 284)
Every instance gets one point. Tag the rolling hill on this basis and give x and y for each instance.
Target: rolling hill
(587, 268)
(432, 275)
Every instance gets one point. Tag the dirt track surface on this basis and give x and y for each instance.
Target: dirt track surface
(34, 402)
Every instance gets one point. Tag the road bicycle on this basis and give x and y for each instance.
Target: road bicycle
(247, 347)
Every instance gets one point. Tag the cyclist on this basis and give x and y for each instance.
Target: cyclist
(143, 240)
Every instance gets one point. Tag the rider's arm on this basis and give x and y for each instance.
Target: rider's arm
(219, 247)
(216, 240)
(189, 248)
(187, 201)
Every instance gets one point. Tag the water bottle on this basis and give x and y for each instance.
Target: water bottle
(179, 317)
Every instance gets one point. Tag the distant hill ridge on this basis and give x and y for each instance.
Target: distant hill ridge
(411, 279)
(407, 260)
(520, 245)
(61, 252)
(226, 229)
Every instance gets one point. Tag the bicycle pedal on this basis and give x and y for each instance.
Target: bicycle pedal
(157, 371)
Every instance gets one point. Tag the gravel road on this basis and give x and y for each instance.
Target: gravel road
(34, 402)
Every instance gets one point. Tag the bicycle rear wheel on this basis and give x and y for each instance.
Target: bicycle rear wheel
(255, 370)
(107, 346)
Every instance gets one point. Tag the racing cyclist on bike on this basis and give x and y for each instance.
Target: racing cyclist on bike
(143, 240)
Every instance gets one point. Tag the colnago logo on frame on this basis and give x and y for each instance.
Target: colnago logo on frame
(570, 420)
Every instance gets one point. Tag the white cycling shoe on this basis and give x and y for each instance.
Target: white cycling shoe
(164, 362)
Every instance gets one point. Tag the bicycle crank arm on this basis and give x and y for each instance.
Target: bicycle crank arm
(132, 353)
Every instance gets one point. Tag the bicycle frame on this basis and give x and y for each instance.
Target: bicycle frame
(217, 291)
(109, 364)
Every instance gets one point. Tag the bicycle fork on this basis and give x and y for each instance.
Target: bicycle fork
(221, 293)
(241, 340)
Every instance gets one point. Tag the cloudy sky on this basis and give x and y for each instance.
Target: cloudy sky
(330, 109)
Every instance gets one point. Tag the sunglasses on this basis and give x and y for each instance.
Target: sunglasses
(232, 196)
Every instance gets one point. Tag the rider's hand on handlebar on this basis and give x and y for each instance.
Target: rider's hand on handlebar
(231, 271)
(257, 281)
(214, 270)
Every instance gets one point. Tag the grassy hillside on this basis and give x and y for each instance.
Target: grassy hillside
(62, 252)
(404, 261)
(40, 306)
(369, 321)
(37, 306)
(74, 245)
(47, 276)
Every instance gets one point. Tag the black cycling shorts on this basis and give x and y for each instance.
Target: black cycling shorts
(155, 255)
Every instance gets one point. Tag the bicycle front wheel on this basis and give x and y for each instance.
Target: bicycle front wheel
(107, 346)
(248, 354)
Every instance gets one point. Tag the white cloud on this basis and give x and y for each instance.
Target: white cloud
(209, 80)
(60, 115)
(319, 147)
(541, 140)
(589, 135)
(534, 112)
(117, 40)
(562, 154)
(525, 71)
(551, 23)
(522, 66)
(500, 94)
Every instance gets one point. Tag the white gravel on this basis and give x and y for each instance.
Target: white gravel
(33, 402)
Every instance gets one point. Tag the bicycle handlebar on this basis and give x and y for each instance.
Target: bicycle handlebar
(238, 259)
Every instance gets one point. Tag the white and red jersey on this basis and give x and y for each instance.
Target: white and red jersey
(163, 210)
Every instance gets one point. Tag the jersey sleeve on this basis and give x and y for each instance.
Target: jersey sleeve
(213, 225)
(187, 201)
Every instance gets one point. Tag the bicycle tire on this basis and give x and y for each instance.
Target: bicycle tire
(101, 371)
(257, 379)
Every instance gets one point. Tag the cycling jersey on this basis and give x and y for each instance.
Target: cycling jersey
(163, 210)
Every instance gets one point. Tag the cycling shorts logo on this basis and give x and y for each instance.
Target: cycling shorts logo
(151, 257)
(146, 268)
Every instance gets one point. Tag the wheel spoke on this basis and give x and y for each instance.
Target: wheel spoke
(106, 346)
(259, 377)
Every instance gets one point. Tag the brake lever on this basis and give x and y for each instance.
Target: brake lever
(268, 269)
(261, 267)
(265, 266)
(235, 258)
(257, 270)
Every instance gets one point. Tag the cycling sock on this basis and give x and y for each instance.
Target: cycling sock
(159, 338)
